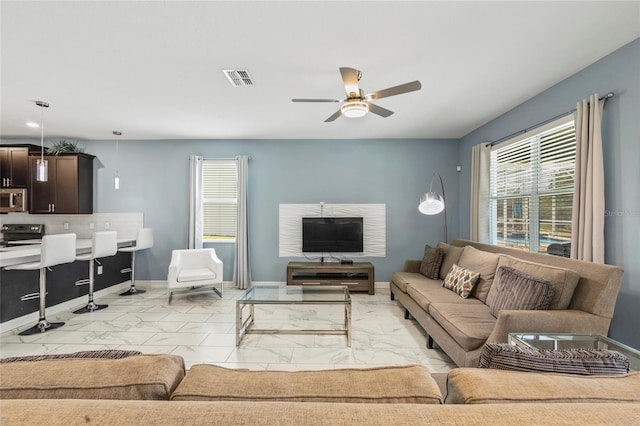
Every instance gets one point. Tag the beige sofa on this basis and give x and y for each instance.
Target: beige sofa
(153, 389)
(583, 302)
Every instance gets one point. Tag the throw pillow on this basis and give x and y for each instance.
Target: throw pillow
(586, 362)
(431, 261)
(107, 353)
(564, 280)
(460, 280)
(516, 290)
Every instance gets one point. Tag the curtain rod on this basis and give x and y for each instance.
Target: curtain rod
(605, 97)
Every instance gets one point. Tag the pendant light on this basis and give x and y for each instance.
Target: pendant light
(42, 165)
(116, 176)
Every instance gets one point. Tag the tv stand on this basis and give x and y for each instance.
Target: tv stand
(358, 276)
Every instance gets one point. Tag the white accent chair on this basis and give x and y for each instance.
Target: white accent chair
(144, 240)
(55, 250)
(194, 268)
(103, 244)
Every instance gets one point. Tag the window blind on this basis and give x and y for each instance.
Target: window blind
(219, 199)
(531, 185)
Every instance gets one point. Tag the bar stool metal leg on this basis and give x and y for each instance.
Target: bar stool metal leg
(132, 290)
(91, 306)
(42, 325)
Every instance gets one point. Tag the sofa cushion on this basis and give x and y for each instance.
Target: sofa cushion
(483, 262)
(515, 290)
(431, 261)
(403, 279)
(564, 280)
(585, 362)
(485, 386)
(401, 384)
(451, 255)
(460, 280)
(469, 324)
(426, 292)
(136, 377)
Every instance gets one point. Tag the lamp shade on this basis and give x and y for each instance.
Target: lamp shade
(355, 109)
(42, 170)
(431, 203)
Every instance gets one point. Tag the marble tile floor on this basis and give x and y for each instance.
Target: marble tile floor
(200, 327)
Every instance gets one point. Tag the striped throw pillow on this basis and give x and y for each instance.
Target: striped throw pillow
(586, 362)
(105, 354)
(431, 261)
(513, 289)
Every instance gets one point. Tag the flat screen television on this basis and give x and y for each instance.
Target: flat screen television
(332, 234)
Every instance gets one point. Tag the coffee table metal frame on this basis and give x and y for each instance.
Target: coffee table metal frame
(291, 295)
(574, 341)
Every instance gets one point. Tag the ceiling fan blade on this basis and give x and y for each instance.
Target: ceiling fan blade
(396, 90)
(382, 112)
(315, 100)
(350, 79)
(334, 116)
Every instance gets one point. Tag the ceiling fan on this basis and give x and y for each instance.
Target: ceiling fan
(357, 104)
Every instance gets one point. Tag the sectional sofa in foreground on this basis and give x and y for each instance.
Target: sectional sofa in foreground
(156, 389)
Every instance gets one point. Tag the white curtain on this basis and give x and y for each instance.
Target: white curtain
(195, 202)
(241, 269)
(587, 236)
(479, 205)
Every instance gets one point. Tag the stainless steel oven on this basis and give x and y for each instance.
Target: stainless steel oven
(13, 200)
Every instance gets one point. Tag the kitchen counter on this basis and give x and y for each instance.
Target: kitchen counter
(26, 253)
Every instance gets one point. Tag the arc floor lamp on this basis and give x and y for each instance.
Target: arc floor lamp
(432, 203)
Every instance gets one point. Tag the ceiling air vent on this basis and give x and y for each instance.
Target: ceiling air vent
(238, 78)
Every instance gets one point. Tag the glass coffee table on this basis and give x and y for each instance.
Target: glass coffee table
(558, 341)
(291, 295)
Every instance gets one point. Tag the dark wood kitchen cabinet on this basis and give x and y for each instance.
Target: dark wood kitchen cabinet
(69, 188)
(14, 167)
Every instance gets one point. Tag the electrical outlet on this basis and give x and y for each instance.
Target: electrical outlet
(92, 225)
(99, 269)
(65, 225)
(106, 225)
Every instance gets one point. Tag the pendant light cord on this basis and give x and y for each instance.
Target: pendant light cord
(42, 134)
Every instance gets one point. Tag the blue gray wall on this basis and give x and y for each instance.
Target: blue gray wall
(394, 172)
(620, 73)
(154, 180)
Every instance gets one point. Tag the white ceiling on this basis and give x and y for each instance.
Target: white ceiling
(153, 70)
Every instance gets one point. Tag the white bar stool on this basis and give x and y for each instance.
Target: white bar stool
(103, 244)
(55, 250)
(144, 240)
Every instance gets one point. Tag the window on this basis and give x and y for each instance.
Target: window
(531, 188)
(219, 199)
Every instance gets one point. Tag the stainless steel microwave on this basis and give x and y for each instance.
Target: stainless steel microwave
(13, 200)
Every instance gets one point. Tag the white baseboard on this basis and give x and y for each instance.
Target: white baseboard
(381, 284)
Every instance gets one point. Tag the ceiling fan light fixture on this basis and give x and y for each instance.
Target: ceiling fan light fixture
(354, 109)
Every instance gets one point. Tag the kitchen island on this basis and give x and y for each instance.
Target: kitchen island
(19, 294)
